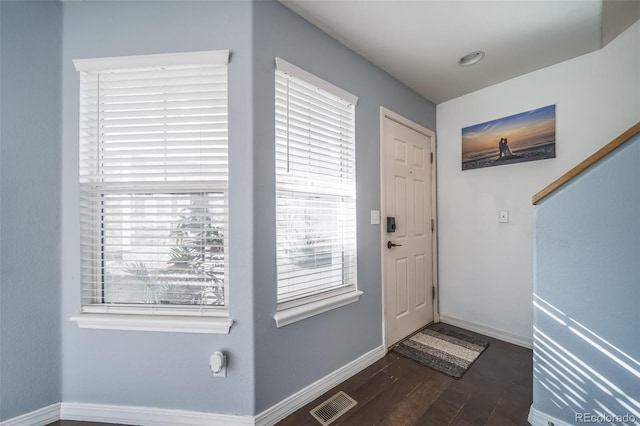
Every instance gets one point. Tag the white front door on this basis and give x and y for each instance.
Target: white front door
(408, 265)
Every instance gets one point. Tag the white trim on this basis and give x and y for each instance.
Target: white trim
(40, 417)
(211, 57)
(282, 409)
(384, 112)
(387, 113)
(152, 416)
(506, 336)
(159, 310)
(148, 415)
(538, 418)
(182, 324)
(283, 306)
(298, 313)
(296, 72)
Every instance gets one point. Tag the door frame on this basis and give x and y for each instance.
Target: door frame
(386, 113)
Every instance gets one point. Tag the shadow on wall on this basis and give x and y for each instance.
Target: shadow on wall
(574, 379)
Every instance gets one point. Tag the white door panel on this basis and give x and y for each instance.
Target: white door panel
(408, 276)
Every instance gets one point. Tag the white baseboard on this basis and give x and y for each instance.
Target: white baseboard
(506, 336)
(147, 416)
(538, 418)
(282, 409)
(40, 417)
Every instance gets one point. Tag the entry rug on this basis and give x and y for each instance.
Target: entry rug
(443, 348)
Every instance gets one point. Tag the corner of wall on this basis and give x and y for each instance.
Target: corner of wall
(1, 149)
(292, 357)
(486, 269)
(30, 76)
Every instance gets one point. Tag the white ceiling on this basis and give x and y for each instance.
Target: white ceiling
(420, 41)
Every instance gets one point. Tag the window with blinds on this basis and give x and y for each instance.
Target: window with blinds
(153, 183)
(315, 187)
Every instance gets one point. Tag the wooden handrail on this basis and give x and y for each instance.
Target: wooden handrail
(598, 155)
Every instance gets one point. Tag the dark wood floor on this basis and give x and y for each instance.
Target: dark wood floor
(395, 391)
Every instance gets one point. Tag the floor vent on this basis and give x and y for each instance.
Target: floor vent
(333, 408)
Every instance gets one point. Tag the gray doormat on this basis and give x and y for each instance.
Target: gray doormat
(443, 348)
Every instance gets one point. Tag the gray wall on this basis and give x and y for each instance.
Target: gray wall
(1, 374)
(168, 370)
(586, 292)
(30, 352)
(291, 357)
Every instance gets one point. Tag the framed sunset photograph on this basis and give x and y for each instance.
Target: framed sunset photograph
(528, 136)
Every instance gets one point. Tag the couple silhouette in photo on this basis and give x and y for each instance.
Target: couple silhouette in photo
(505, 151)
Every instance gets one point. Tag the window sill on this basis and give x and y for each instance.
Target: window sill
(298, 313)
(179, 324)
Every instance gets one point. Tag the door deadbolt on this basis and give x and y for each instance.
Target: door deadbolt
(391, 224)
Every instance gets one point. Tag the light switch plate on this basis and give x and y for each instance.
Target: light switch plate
(503, 216)
(375, 217)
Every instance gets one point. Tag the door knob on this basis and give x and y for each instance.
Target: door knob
(390, 244)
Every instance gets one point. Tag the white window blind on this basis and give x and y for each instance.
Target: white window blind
(315, 187)
(153, 183)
